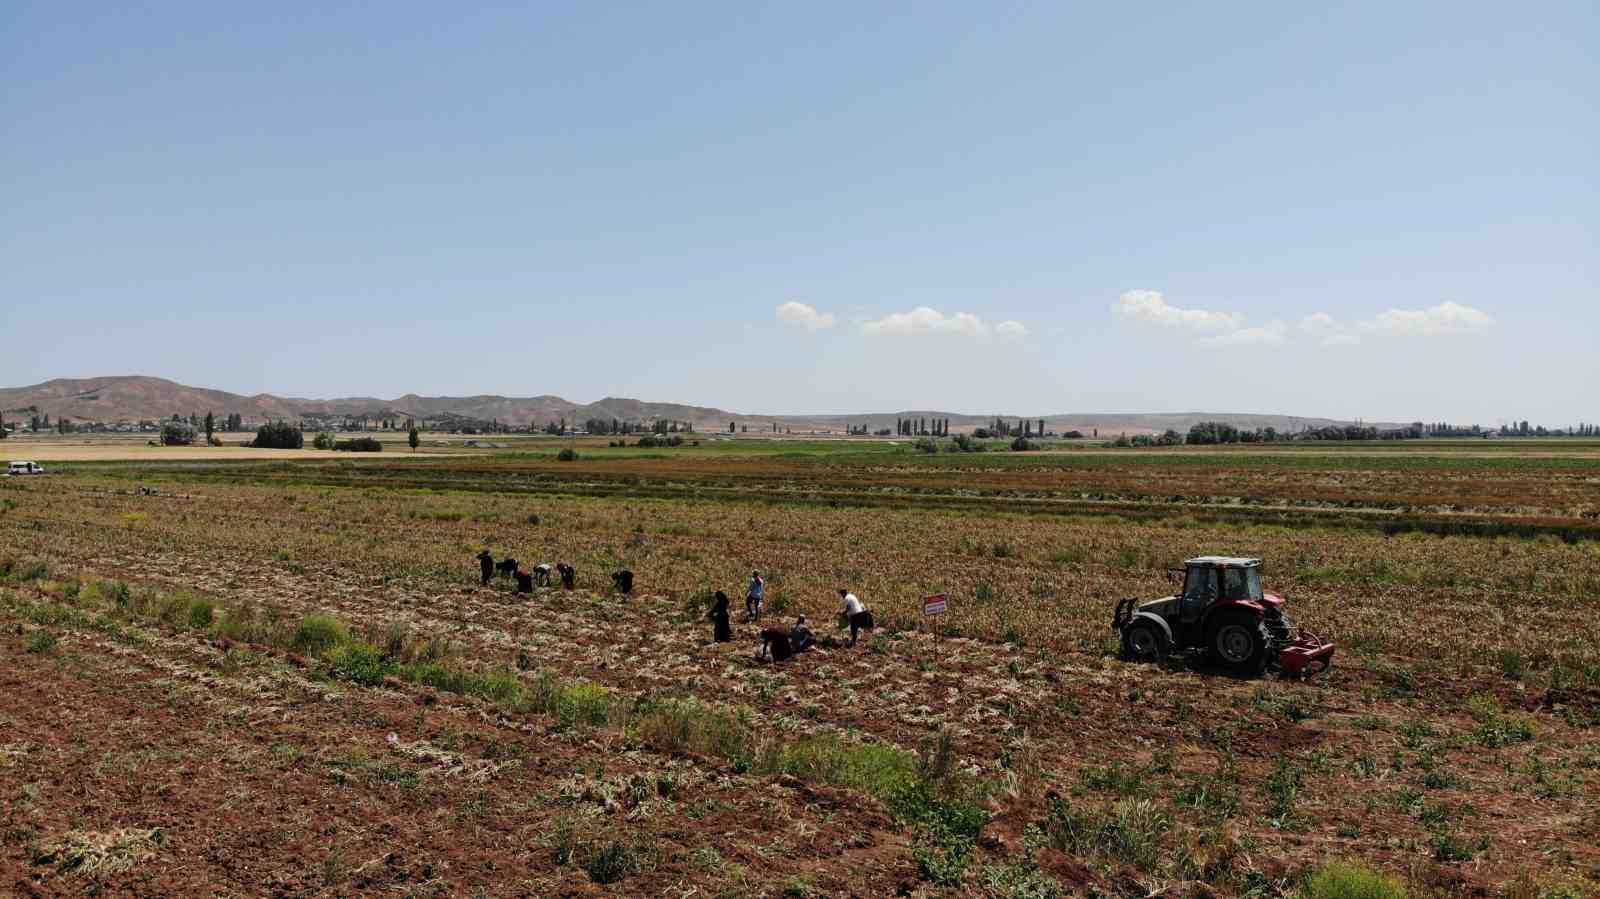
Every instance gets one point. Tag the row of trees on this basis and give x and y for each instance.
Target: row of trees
(921, 427)
(1022, 427)
(618, 426)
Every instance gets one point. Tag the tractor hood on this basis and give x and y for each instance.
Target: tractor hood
(1271, 599)
(1166, 608)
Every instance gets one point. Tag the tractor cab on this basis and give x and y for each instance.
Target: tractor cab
(1212, 580)
(1222, 609)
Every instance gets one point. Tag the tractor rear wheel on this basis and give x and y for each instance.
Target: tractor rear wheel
(1239, 643)
(1143, 642)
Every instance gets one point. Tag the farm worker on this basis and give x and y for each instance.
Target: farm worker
(569, 575)
(856, 612)
(720, 631)
(623, 581)
(486, 563)
(524, 581)
(541, 574)
(800, 636)
(754, 595)
(775, 640)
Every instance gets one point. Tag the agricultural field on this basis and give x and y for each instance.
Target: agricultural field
(281, 677)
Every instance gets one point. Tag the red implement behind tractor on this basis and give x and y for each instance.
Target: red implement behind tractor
(1222, 612)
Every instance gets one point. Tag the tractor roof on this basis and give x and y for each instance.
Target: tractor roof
(1224, 561)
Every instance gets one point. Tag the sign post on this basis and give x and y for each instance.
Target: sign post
(935, 605)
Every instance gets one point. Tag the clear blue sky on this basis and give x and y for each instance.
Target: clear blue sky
(1380, 210)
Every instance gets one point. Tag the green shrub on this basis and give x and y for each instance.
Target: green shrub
(1134, 830)
(201, 613)
(961, 443)
(23, 570)
(1021, 881)
(317, 634)
(1128, 831)
(692, 726)
(1351, 880)
(798, 887)
(357, 662)
(324, 440)
(173, 608)
(872, 768)
(176, 433)
(584, 703)
(359, 445)
(564, 840)
(567, 455)
(612, 863)
(42, 642)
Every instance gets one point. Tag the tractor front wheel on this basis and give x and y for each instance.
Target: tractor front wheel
(1143, 642)
(1240, 644)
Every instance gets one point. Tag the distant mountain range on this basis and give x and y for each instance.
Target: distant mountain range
(134, 398)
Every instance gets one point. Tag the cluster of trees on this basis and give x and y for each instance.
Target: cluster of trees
(1023, 427)
(1522, 429)
(1168, 437)
(279, 435)
(921, 427)
(176, 432)
(650, 441)
(961, 443)
(1207, 433)
(617, 426)
(612, 426)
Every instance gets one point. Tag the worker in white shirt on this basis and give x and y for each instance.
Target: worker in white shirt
(855, 612)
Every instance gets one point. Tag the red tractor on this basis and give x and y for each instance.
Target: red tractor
(1223, 612)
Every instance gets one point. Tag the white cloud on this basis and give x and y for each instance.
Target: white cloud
(1149, 307)
(1011, 330)
(1319, 323)
(1327, 329)
(805, 316)
(924, 320)
(1271, 333)
(1445, 318)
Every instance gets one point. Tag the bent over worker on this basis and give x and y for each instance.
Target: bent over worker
(855, 611)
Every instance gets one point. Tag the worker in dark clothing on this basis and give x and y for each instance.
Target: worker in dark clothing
(623, 581)
(486, 563)
(569, 575)
(524, 581)
(775, 640)
(721, 632)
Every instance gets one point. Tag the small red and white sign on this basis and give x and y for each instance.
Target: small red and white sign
(933, 605)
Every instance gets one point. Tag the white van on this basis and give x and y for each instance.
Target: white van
(25, 468)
